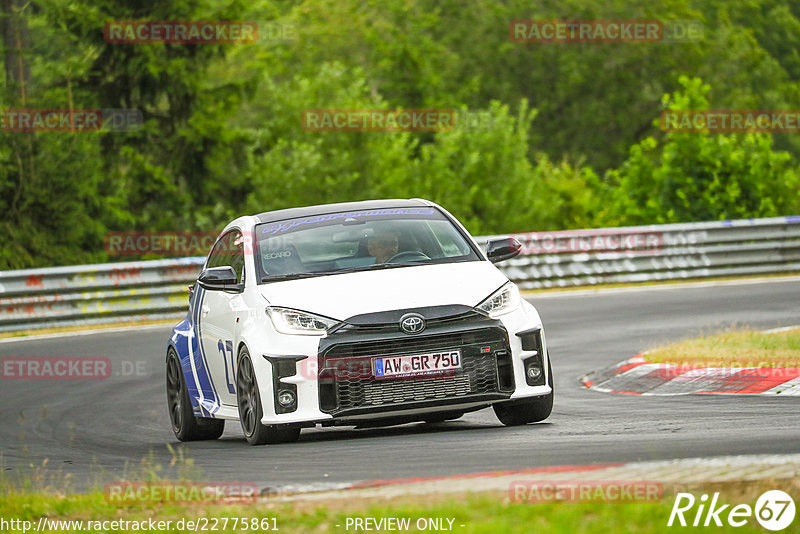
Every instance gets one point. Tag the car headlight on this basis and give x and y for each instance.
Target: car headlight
(504, 300)
(289, 321)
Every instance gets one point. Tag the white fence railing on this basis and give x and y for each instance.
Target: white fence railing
(145, 290)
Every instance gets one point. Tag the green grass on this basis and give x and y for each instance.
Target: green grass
(733, 348)
(478, 512)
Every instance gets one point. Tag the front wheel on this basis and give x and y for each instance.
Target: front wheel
(185, 425)
(522, 412)
(248, 399)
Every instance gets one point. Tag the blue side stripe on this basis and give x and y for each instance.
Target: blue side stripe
(196, 358)
(203, 372)
(195, 355)
(180, 340)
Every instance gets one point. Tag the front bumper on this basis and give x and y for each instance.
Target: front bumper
(337, 382)
(347, 385)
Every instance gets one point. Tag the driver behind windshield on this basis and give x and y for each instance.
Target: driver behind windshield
(383, 245)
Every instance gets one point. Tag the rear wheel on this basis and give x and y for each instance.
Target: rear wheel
(248, 399)
(526, 411)
(185, 425)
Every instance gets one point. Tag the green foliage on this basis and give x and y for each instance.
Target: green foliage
(287, 166)
(693, 176)
(552, 136)
(479, 170)
(481, 173)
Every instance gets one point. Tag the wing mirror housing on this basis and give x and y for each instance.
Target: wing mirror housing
(498, 250)
(219, 279)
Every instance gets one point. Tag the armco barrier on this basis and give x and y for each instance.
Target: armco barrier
(656, 252)
(87, 294)
(102, 293)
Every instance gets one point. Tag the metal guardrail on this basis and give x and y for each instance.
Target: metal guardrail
(102, 293)
(145, 290)
(656, 252)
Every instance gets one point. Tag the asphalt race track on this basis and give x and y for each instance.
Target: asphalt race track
(101, 430)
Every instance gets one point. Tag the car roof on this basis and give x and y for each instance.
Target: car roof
(322, 209)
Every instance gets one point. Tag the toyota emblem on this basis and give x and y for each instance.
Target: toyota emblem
(412, 323)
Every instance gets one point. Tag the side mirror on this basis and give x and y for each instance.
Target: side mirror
(498, 250)
(219, 278)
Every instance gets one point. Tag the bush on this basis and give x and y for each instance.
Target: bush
(701, 176)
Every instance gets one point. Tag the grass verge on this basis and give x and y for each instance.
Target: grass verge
(733, 348)
(469, 512)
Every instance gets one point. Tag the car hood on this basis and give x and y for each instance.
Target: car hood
(341, 296)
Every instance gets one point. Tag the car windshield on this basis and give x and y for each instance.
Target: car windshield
(357, 240)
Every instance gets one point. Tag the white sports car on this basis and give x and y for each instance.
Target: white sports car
(363, 313)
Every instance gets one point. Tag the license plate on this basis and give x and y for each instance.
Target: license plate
(435, 363)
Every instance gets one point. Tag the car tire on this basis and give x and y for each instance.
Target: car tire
(185, 425)
(522, 412)
(248, 399)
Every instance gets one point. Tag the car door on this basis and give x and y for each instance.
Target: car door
(218, 315)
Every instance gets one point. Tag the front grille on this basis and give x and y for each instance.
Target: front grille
(346, 379)
(396, 391)
(413, 344)
(394, 326)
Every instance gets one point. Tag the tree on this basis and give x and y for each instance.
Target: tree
(701, 176)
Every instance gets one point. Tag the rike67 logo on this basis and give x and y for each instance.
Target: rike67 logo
(774, 510)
